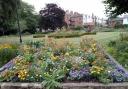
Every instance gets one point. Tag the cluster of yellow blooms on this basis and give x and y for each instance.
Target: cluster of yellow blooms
(3, 46)
(93, 47)
(54, 58)
(66, 54)
(96, 70)
(22, 74)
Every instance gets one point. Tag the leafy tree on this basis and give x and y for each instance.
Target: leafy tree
(51, 17)
(116, 7)
(29, 17)
(8, 20)
(8, 10)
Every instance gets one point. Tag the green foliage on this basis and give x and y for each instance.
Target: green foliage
(68, 34)
(35, 44)
(29, 57)
(27, 18)
(90, 57)
(8, 13)
(1, 78)
(105, 78)
(51, 80)
(119, 49)
(78, 28)
(114, 7)
(112, 43)
(124, 36)
(7, 54)
(51, 17)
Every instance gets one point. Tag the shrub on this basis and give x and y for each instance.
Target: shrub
(112, 43)
(6, 55)
(119, 49)
(67, 34)
(78, 28)
(124, 36)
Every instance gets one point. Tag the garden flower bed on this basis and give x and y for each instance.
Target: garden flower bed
(53, 63)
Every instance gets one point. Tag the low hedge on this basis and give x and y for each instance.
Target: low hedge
(66, 35)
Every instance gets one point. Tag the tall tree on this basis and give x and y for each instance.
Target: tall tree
(116, 7)
(8, 10)
(52, 17)
(28, 17)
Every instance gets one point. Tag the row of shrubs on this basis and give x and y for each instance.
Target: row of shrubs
(119, 49)
(65, 34)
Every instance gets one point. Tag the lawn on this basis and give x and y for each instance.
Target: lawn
(101, 37)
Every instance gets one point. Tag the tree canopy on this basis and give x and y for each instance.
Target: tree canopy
(8, 16)
(8, 10)
(116, 7)
(28, 18)
(51, 17)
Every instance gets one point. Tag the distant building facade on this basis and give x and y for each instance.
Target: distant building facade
(73, 18)
(76, 19)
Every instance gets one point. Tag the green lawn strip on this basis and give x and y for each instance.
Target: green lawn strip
(102, 37)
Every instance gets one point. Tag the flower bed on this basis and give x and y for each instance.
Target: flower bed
(50, 62)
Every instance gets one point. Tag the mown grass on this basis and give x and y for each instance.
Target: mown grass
(101, 37)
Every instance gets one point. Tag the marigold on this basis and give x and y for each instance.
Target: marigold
(22, 74)
(96, 70)
(54, 58)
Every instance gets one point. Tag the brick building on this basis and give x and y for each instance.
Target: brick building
(73, 18)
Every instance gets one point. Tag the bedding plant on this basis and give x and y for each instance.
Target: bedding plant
(51, 63)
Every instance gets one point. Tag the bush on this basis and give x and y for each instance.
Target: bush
(78, 28)
(26, 33)
(67, 34)
(124, 36)
(7, 52)
(6, 55)
(119, 49)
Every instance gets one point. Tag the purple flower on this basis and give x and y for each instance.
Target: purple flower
(74, 73)
(120, 70)
(8, 65)
(78, 74)
(118, 75)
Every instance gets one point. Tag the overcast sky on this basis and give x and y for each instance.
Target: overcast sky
(81, 6)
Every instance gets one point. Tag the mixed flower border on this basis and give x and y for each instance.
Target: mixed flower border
(50, 62)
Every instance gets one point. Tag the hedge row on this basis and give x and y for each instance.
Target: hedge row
(65, 35)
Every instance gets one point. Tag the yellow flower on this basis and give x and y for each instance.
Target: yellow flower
(94, 44)
(67, 54)
(3, 46)
(54, 58)
(22, 74)
(96, 69)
